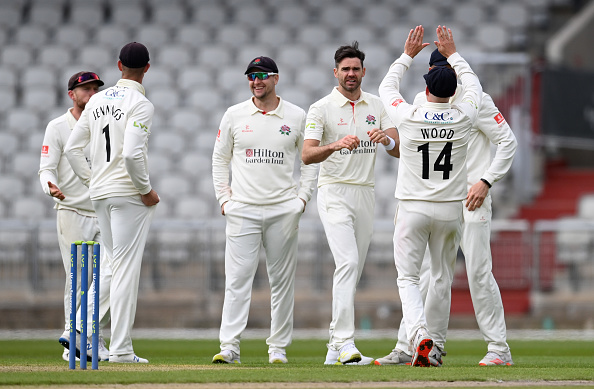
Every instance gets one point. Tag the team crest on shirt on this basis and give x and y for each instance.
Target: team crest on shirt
(285, 130)
(370, 119)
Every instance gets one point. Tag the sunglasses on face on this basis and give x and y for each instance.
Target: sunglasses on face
(86, 77)
(260, 75)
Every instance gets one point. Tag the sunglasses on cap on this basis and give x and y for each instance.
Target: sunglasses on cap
(260, 75)
(86, 77)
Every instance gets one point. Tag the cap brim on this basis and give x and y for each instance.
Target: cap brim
(101, 83)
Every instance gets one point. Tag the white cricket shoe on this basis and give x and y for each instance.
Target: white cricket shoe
(64, 340)
(494, 358)
(66, 356)
(422, 346)
(277, 358)
(396, 357)
(103, 350)
(128, 358)
(333, 355)
(226, 356)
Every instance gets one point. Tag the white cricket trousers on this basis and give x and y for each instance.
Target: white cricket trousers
(275, 227)
(71, 227)
(484, 291)
(346, 212)
(124, 222)
(418, 224)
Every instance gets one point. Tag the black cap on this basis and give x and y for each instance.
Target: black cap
(134, 55)
(263, 63)
(82, 78)
(441, 81)
(437, 59)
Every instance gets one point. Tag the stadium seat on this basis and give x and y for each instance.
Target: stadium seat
(174, 56)
(22, 121)
(362, 33)
(248, 15)
(7, 99)
(164, 98)
(174, 185)
(208, 100)
(382, 14)
(192, 164)
(294, 56)
(313, 35)
(87, 14)
(16, 56)
(159, 164)
(186, 121)
(193, 207)
(158, 77)
(9, 144)
(492, 37)
(316, 78)
(13, 186)
(573, 243)
(395, 36)
(336, 17)
(95, 56)
(11, 15)
(192, 36)
(233, 35)
(214, 54)
(280, 34)
(32, 36)
(155, 35)
(231, 77)
(26, 165)
(190, 78)
(30, 208)
(513, 15)
(34, 142)
(8, 77)
(167, 143)
(209, 15)
(55, 56)
(297, 95)
(169, 14)
(72, 37)
(112, 37)
(127, 14)
(421, 14)
(46, 15)
(250, 51)
(38, 76)
(470, 15)
(39, 99)
(3, 36)
(294, 16)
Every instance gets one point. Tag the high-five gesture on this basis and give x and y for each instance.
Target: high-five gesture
(414, 43)
(445, 41)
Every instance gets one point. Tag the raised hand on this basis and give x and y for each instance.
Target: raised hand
(445, 41)
(414, 43)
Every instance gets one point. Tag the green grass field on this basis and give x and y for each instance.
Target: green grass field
(39, 363)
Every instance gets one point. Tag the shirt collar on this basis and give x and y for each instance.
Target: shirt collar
(437, 105)
(341, 100)
(125, 83)
(279, 111)
(70, 118)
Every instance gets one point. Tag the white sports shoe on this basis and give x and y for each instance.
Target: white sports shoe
(422, 346)
(332, 359)
(129, 358)
(277, 358)
(494, 358)
(103, 350)
(396, 357)
(65, 341)
(226, 356)
(66, 356)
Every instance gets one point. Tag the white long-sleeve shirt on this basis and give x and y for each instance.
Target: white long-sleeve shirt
(433, 136)
(262, 148)
(116, 123)
(55, 168)
(489, 127)
(332, 118)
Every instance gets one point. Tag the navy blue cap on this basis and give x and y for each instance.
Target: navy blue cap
(263, 63)
(437, 59)
(441, 81)
(134, 55)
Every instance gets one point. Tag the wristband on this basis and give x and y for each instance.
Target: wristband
(390, 145)
(486, 182)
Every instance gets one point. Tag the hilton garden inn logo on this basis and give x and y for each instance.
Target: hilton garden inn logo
(264, 156)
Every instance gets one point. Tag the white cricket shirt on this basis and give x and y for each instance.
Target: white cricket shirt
(54, 167)
(116, 123)
(433, 136)
(332, 118)
(489, 127)
(262, 148)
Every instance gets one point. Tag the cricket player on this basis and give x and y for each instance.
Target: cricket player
(261, 138)
(490, 128)
(116, 123)
(342, 132)
(431, 183)
(76, 219)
